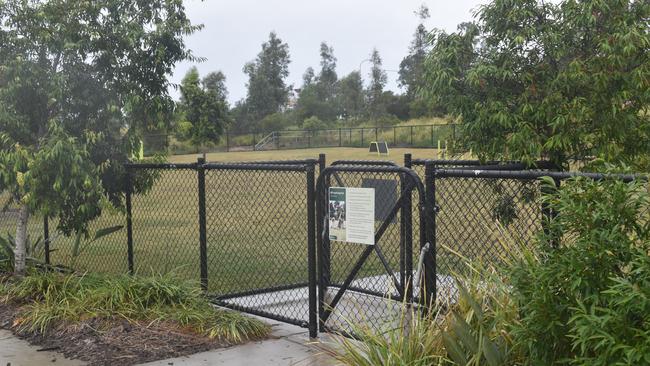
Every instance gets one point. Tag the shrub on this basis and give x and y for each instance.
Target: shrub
(47, 300)
(586, 301)
(313, 123)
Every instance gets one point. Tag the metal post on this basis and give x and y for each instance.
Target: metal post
(428, 288)
(322, 246)
(548, 215)
(227, 141)
(406, 237)
(376, 138)
(361, 136)
(394, 136)
(432, 137)
(129, 222)
(308, 138)
(351, 144)
(411, 135)
(203, 244)
(311, 252)
(340, 142)
(46, 239)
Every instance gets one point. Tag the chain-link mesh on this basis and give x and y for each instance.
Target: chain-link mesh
(106, 254)
(482, 220)
(165, 225)
(257, 240)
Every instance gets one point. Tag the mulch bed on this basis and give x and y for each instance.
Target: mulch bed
(113, 342)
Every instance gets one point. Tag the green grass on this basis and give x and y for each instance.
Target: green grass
(48, 300)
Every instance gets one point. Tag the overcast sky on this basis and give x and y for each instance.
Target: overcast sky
(235, 29)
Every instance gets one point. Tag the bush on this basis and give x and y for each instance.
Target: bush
(184, 130)
(587, 301)
(47, 300)
(313, 123)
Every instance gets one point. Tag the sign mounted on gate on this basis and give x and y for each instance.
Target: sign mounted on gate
(351, 215)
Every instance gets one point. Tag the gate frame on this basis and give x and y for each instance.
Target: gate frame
(323, 242)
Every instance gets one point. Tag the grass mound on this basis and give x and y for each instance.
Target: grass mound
(48, 300)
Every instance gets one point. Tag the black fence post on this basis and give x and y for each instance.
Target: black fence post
(203, 245)
(311, 252)
(361, 136)
(129, 221)
(428, 288)
(394, 136)
(411, 135)
(548, 215)
(406, 236)
(340, 138)
(322, 247)
(46, 239)
(376, 138)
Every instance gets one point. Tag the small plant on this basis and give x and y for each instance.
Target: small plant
(34, 250)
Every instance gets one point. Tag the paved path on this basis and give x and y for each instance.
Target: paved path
(17, 352)
(288, 346)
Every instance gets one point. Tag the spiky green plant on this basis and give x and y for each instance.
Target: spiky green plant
(50, 299)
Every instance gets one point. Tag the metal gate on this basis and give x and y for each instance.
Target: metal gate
(370, 283)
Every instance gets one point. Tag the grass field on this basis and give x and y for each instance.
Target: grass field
(332, 154)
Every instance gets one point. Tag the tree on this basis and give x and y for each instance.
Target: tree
(534, 80)
(327, 78)
(351, 97)
(411, 67)
(318, 95)
(378, 80)
(308, 77)
(203, 104)
(215, 82)
(267, 91)
(78, 82)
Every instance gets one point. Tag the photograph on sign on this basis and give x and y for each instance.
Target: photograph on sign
(337, 214)
(351, 215)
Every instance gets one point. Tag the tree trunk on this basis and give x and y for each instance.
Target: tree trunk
(20, 252)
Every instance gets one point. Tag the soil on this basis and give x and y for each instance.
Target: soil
(113, 342)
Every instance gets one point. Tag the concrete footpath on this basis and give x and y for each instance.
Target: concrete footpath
(288, 345)
(17, 352)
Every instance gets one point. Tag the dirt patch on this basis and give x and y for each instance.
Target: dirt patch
(113, 342)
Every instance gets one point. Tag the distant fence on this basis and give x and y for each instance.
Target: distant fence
(421, 136)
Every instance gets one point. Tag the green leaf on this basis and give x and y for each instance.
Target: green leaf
(453, 350)
(491, 353)
(106, 231)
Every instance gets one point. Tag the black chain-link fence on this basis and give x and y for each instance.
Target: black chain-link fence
(248, 232)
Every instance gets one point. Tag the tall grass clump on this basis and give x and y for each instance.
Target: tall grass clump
(48, 300)
(471, 330)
